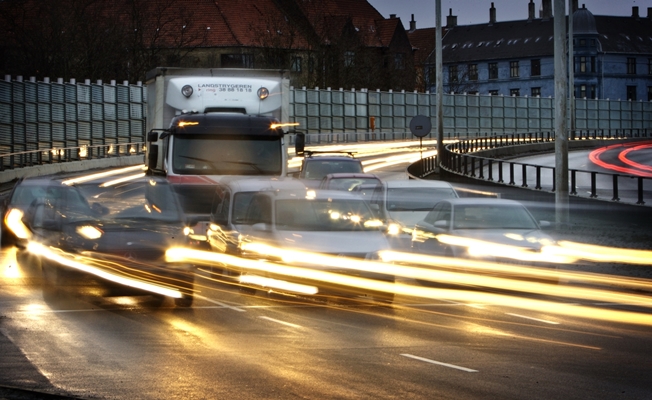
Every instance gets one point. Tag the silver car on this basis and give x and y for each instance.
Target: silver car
(403, 203)
(321, 222)
(457, 227)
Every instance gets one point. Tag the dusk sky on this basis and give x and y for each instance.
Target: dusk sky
(470, 12)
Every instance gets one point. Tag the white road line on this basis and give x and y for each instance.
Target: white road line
(219, 303)
(439, 363)
(534, 319)
(281, 322)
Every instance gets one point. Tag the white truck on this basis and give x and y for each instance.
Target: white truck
(205, 124)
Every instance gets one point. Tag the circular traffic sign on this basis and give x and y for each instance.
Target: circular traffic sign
(420, 126)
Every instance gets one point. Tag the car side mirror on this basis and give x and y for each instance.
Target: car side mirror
(300, 143)
(99, 209)
(545, 224)
(442, 223)
(261, 227)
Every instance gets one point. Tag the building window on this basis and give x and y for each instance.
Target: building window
(535, 92)
(582, 93)
(631, 66)
(582, 42)
(296, 64)
(349, 58)
(513, 69)
(237, 60)
(452, 73)
(631, 93)
(649, 66)
(535, 67)
(593, 64)
(473, 72)
(493, 71)
(514, 92)
(649, 93)
(593, 95)
(582, 64)
(493, 93)
(399, 61)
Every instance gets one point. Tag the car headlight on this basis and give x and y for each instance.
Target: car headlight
(14, 221)
(89, 232)
(394, 228)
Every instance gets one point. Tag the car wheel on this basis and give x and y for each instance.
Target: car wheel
(184, 301)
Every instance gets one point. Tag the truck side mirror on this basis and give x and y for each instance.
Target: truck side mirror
(300, 143)
(152, 136)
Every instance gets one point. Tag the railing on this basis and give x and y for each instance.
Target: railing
(457, 158)
(33, 158)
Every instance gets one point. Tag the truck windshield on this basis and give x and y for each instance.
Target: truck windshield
(226, 155)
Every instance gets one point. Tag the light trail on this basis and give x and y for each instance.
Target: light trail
(71, 261)
(477, 297)
(86, 178)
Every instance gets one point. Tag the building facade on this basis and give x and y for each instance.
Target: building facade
(612, 56)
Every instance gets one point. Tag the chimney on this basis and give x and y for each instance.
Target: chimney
(575, 5)
(392, 16)
(530, 10)
(413, 24)
(649, 12)
(492, 14)
(451, 20)
(547, 9)
(635, 12)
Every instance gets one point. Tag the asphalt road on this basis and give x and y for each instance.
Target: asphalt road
(235, 345)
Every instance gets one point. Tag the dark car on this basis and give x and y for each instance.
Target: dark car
(120, 239)
(316, 166)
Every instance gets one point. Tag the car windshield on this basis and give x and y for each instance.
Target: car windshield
(483, 216)
(350, 184)
(324, 215)
(226, 155)
(416, 199)
(318, 169)
(147, 199)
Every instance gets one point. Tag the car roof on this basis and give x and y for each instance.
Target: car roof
(254, 184)
(318, 194)
(344, 175)
(481, 201)
(417, 183)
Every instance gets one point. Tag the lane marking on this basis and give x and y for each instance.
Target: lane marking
(219, 303)
(280, 322)
(533, 319)
(439, 363)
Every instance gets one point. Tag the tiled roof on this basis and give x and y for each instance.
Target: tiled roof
(386, 30)
(624, 34)
(498, 41)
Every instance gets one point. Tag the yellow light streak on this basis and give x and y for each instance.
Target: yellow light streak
(279, 125)
(481, 248)
(602, 253)
(122, 180)
(186, 123)
(86, 178)
(278, 284)
(14, 221)
(70, 260)
(476, 297)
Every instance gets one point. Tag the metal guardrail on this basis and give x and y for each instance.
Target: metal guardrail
(457, 158)
(33, 158)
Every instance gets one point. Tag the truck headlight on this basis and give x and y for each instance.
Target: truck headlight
(263, 93)
(186, 90)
